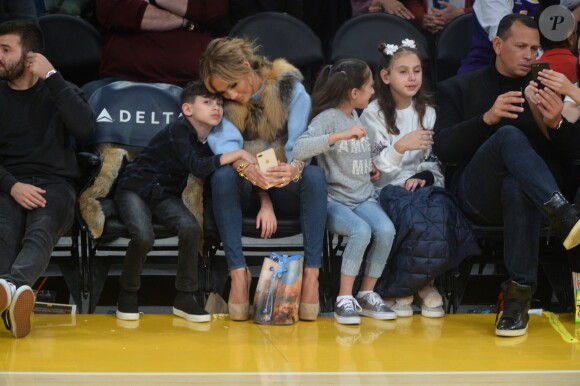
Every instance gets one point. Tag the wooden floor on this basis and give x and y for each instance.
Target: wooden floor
(166, 350)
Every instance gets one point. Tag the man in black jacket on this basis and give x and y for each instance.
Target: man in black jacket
(40, 112)
(486, 126)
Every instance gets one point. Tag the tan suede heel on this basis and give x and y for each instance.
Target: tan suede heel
(241, 311)
(308, 311)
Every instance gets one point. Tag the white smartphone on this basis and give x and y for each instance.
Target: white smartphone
(267, 159)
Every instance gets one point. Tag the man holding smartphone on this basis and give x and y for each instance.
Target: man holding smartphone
(486, 126)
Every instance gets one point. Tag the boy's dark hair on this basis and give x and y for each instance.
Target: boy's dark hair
(194, 89)
(30, 34)
(505, 24)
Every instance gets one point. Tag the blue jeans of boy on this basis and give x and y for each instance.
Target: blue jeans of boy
(138, 217)
(363, 224)
(233, 196)
(507, 182)
(27, 237)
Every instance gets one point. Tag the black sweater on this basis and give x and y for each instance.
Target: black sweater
(460, 129)
(36, 126)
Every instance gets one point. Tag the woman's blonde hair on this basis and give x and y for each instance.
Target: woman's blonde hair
(224, 59)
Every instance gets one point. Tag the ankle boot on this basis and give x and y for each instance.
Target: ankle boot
(565, 220)
(514, 320)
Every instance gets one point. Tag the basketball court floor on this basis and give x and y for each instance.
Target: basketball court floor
(161, 349)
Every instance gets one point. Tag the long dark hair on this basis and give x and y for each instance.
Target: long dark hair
(334, 83)
(383, 91)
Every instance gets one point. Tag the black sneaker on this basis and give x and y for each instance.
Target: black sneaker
(186, 306)
(516, 304)
(127, 305)
(20, 311)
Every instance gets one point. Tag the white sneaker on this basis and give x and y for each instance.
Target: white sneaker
(401, 306)
(7, 291)
(20, 311)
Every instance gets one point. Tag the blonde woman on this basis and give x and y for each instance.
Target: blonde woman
(266, 107)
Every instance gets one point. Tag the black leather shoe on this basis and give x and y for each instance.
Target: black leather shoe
(565, 220)
(514, 320)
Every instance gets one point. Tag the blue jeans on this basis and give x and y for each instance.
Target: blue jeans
(233, 197)
(138, 217)
(507, 182)
(368, 220)
(27, 237)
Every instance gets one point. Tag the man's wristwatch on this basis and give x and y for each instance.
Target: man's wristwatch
(50, 73)
(188, 25)
(558, 125)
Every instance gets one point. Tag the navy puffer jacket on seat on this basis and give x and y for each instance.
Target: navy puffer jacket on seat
(432, 237)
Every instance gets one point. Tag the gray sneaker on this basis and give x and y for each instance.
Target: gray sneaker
(346, 310)
(372, 306)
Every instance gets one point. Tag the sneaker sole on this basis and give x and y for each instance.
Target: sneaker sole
(404, 314)
(20, 311)
(573, 237)
(379, 315)
(347, 319)
(432, 314)
(127, 315)
(190, 317)
(509, 333)
(5, 295)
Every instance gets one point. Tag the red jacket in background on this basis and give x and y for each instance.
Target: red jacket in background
(151, 56)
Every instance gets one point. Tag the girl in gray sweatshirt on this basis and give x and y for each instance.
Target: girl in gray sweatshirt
(337, 139)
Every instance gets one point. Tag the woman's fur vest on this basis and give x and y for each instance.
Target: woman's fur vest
(263, 122)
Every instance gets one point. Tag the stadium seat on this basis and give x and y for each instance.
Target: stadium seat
(128, 115)
(73, 46)
(360, 36)
(453, 45)
(280, 35)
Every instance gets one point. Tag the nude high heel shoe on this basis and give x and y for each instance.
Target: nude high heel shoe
(309, 311)
(241, 311)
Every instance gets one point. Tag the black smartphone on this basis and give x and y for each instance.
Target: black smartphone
(536, 68)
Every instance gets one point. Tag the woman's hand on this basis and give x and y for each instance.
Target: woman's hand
(556, 81)
(448, 12)
(256, 177)
(413, 183)
(415, 140)
(394, 7)
(281, 175)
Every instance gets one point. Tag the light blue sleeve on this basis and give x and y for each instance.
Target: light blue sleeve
(298, 114)
(225, 138)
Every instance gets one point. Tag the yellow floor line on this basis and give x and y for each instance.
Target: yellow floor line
(559, 327)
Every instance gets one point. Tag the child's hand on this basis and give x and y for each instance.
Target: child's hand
(266, 219)
(375, 173)
(247, 156)
(415, 140)
(355, 132)
(413, 183)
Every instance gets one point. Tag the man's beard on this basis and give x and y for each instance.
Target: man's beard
(11, 72)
